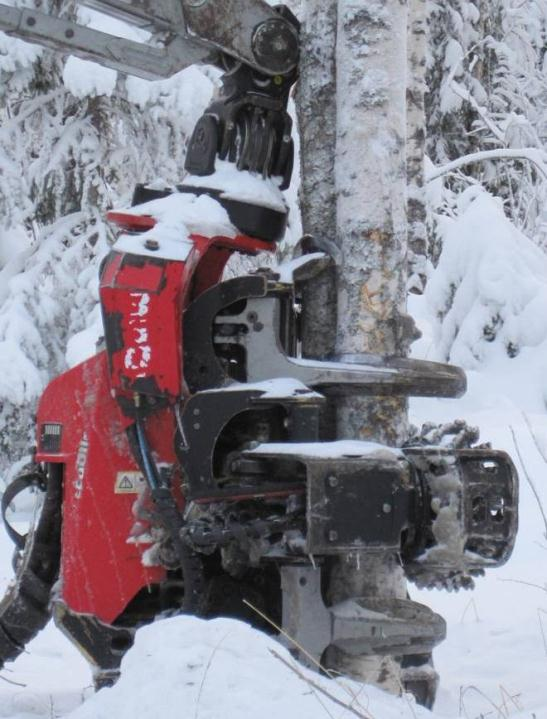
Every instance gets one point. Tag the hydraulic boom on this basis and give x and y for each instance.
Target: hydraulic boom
(190, 31)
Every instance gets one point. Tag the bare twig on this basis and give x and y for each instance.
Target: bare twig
(217, 647)
(461, 704)
(328, 672)
(304, 651)
(512, 697)
(542, 628)
(527, 584)
(322, 702)
(534, 437)
(319, 688)
(463, 691)
(471, 603)
(529, 480)
(356, 696)
(10, 681)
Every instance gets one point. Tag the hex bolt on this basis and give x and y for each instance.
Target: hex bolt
(387, 508)
(152, 245)
(333, 481)
(252, 317)
(332, 535)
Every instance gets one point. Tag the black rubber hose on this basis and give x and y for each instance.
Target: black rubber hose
(173, 523)
(24, 610)
(34, 478)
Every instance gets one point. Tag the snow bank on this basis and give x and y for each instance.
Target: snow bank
(189, 668)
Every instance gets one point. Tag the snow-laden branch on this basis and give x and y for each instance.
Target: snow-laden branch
(464, 94)
(531, 154)
(30, 108)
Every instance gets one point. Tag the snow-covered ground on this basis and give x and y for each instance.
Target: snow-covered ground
(493, 663)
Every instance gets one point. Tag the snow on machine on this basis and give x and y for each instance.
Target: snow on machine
(189, 465)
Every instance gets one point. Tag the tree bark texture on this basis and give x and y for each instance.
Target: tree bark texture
(371, 184)
(317, 122)
(416, 207)
(354, 79)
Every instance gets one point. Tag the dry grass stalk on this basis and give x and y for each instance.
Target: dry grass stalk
(529, 480)
(317, 687)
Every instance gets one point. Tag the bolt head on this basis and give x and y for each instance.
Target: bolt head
(333, 481)
(387, 508)
(152, 245)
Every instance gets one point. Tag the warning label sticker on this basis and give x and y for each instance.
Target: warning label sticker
(129, 483)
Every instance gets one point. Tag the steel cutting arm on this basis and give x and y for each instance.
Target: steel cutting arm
(193, 31)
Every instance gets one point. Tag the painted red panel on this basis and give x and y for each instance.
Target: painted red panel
(101, 571)
(141, 301)
(131, 222)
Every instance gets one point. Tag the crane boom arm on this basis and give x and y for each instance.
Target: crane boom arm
(195, 30)
(127, 56)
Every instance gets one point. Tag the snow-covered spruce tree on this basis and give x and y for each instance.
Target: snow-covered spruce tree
(489, 289)
(486, 91)
(74, 139)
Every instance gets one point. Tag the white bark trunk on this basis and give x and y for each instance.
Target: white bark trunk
(354, 66)
(371, 209)
(371, 183)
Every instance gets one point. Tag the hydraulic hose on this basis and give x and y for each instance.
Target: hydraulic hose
(25, 610)
(173, 523)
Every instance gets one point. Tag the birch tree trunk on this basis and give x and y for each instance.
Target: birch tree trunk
(371, 188)
(352, 114)
(316, 103)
